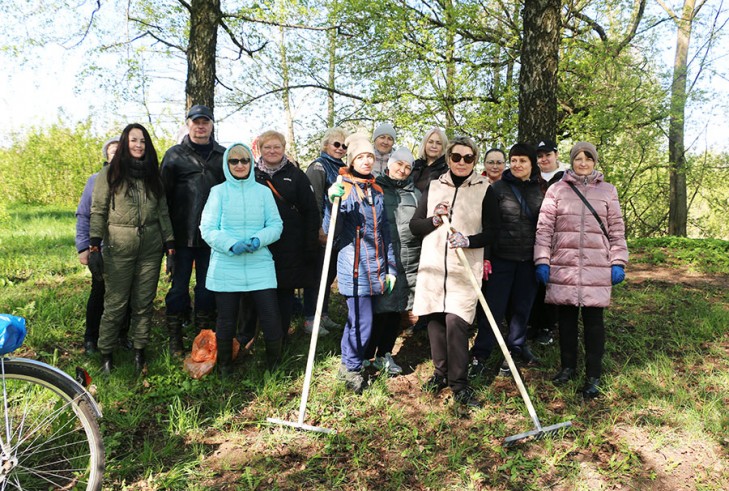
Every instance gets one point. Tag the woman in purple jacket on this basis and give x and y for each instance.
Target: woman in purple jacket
(580, 252)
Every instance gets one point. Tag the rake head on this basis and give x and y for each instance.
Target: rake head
(546, 432)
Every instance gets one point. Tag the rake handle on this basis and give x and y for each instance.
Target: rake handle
(495, 329)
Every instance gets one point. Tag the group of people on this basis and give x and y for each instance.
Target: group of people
(544, 243)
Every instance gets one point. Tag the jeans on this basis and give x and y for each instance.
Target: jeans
(178, 298)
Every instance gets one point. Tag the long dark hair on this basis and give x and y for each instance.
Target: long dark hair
(119, 167)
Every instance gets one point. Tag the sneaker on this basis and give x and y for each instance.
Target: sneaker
(353, 380)
(544, 337)
(435, 384)
(329, 324)
(309, 328)
(467, 397)
(477, 367)
(564, 376)
(386, 363)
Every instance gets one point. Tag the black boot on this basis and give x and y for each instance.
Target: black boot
(225, 358)
(273, 354)
(107, 365)
(564, 376)
(174, 329)
(140, 362)
(591, 389)
(204, 320)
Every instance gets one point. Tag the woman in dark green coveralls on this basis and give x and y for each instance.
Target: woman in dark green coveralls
(129, 212)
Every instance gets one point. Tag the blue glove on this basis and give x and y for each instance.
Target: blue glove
(542, 273)
(254, 244)
(617, 274)
(239, 247)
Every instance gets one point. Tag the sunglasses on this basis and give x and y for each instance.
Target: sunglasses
(337, 145)
(494, 162)
(235, 162)
(456, 157)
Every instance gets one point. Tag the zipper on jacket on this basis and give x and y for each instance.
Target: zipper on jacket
(355, 273)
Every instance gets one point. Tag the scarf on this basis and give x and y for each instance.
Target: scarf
(271, 170)
(137, 169)
(331, 166)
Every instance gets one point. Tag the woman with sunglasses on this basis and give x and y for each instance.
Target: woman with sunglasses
(431, 162)
(444, 292)
(322, 173)
(511, 209)
(240, 220)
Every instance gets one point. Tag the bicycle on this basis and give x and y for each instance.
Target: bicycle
(49, 434)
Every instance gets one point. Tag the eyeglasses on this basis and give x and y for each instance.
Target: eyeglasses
(456, 157)
(234, 162)
(494, 162)
(337, 145)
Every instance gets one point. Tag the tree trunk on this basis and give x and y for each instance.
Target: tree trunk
(332, 36)
(200, 83)
(286, 97)
(450, 73)
(538, 71)
(678, 204)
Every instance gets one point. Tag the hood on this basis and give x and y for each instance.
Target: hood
(228, 176)
(570, 176)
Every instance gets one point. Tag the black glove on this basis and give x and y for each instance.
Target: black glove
(96, 263)
(170, 265)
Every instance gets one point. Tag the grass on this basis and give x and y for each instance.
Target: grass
(661, 424)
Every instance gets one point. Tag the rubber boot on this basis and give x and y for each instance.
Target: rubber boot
(273, 354)
(140, 362)
(107, 364)
(225, 358)
(174, 329)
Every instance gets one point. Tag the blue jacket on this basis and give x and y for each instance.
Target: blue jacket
(362, 237)
(83, 215)
(240, 209)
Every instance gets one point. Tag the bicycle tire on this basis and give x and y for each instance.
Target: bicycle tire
(54, 437)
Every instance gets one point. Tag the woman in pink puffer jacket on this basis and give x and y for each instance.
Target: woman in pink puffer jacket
(579, 258)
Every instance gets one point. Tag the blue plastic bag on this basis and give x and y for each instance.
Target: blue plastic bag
(12, 333)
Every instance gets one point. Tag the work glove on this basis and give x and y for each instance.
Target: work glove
(96, 263)
(335, 191)
(542, 273)
(457, 239)
(487, 269)
(254, 244)
(441, 208)
(170, 264)
(239, 247)
(617, 274)
(389, 282)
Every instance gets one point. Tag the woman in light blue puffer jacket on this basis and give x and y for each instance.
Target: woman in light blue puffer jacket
(239, 221)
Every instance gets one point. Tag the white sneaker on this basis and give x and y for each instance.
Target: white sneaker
(329, 324)
(309, 327)
(386, 363)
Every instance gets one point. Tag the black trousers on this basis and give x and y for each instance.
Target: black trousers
(448, 335)
(94, 311)
(266, 303)
(594, 337)
(385, 330)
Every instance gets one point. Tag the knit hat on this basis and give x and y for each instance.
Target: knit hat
(357, 143)
(105, 148)
(401, 154)
(384, 129)
(583, 147)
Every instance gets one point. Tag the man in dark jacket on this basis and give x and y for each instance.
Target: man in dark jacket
(189, 170)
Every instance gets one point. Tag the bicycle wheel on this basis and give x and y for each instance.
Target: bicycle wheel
(49, 433)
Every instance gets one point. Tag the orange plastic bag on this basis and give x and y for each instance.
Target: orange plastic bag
(204, 354)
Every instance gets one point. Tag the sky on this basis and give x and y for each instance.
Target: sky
(47, 87)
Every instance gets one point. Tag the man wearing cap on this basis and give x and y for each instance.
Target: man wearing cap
(189, 170)
(383, 140)
(544, 316)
